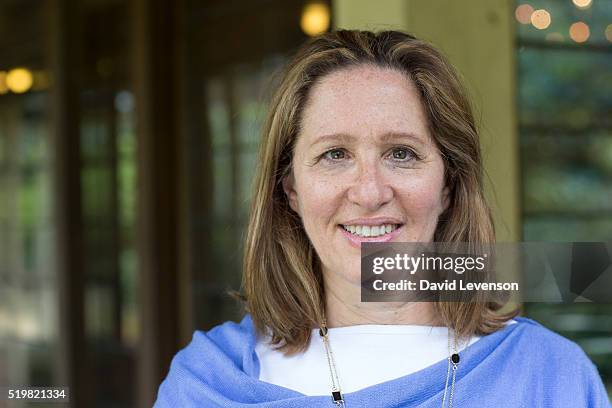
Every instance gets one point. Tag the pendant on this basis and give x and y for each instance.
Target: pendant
(337, 398)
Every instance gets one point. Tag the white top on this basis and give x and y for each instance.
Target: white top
(364, 355)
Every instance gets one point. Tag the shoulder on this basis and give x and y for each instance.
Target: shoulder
(542, 339)
(229, 341)
(226, 348)
(547, 344)
(551, 357)
(231, 336)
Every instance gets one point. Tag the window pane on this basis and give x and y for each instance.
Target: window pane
(565, 131)
(28, 279)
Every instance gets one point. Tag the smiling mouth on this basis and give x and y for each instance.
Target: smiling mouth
(370, 231)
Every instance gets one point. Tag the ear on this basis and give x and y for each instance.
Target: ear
(289, 188)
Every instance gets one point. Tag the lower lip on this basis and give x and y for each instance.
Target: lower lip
(356, 240)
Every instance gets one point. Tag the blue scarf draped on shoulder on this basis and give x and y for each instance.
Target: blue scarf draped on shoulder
(521, 365)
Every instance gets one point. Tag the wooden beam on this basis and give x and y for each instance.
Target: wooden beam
(158, 224)
(65, 69)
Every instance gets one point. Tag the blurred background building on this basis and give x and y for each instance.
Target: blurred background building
(128, 137)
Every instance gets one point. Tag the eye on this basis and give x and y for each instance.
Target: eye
(334, 154)
(403, 154)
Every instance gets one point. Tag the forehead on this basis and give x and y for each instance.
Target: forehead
(364, 101)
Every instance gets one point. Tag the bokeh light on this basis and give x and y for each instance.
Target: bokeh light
(124, 101)
(523, 13)
(579, 32)
(609, 32)
(582, 3)
(540, 19)
(19, 80)
(315, 18)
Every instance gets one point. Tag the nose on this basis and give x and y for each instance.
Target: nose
(370, 189)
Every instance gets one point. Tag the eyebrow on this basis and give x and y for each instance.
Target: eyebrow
(385, 137)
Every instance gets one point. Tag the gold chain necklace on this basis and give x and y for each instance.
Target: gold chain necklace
(336, 392)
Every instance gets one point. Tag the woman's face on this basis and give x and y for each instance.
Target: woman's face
(364, 161)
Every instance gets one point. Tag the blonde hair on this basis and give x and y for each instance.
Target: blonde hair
(282, 280)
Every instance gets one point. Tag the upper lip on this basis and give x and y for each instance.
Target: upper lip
(372, 221)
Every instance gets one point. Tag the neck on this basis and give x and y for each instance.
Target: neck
(343, 307)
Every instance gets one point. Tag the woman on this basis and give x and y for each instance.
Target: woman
(369, 137)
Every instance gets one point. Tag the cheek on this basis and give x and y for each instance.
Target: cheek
(422, 197)
(319, 202)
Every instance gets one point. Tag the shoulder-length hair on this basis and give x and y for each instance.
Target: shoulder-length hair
(282, 280)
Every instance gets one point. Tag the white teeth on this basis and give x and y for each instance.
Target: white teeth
(370, 231)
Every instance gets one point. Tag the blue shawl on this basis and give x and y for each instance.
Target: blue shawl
(521, 365)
